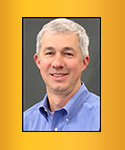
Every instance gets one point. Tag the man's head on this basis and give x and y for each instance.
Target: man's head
(64, 26)
(59, 54)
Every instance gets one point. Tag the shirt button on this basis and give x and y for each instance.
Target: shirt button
(56, 129)
(67, 119)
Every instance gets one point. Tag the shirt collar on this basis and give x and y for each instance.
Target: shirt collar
(44, 109)
(76, 101)
(71, 107)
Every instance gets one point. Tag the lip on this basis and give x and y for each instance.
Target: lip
(59, 76)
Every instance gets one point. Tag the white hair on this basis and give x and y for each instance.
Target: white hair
(62, 25)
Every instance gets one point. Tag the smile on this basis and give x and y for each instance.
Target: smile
(59, 74)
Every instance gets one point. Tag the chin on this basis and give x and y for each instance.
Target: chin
(59, 88)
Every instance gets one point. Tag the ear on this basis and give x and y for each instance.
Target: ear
(85, 62)
(37, 61)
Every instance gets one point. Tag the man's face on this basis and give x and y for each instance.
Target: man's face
(60, 62)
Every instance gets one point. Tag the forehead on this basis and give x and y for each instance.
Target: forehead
(65, 37)
(61, 42)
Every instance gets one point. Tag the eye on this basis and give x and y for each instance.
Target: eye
(49, 53)
(69, 54)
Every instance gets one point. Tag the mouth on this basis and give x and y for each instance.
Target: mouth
(59, 74)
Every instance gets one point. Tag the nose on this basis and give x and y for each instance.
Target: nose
(58, 62)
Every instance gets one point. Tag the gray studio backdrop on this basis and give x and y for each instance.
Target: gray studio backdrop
(33, 85)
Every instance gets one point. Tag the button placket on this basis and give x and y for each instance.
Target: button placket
(67, 119)
(56, 129)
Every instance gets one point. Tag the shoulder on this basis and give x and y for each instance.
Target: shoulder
(30, 116)
(92, 111)
(32, 111)
(92, 104)
(89, 97)
(93, 99)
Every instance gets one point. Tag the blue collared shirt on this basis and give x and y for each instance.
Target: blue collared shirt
(81, 113)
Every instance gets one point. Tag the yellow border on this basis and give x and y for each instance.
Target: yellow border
(113, 102)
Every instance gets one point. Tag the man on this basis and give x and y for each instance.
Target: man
(61, 55)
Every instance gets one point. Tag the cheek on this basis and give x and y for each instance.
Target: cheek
(43, 70)
(44, 65)
(75, 66)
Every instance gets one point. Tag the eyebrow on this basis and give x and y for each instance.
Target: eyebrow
(69, 48)
(48, 48)
(64, 48)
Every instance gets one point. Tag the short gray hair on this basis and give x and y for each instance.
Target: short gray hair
(62, 25)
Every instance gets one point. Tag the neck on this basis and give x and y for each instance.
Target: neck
(57, 100)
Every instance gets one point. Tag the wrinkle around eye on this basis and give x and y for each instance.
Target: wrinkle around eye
(49, 53)
(69, 54)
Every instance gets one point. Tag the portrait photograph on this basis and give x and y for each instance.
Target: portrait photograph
(61, 74)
